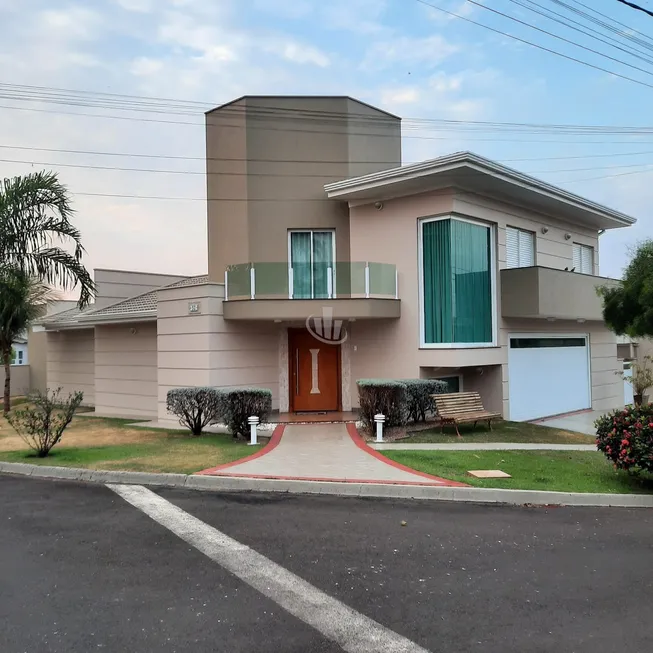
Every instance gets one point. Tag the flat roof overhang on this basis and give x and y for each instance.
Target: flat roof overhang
(476, 174)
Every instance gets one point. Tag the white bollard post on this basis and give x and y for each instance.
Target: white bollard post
(253, 423)
(379, 420)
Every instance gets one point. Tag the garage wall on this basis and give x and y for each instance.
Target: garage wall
(20, 380)
(71, 362)
(606, 386)
(126, 370)
(202, 349)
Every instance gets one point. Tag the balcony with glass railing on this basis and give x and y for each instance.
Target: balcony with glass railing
(289, 292)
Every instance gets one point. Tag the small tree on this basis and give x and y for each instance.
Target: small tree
(628, 307)
(35, 218)
(641, 379)
(42, 423)
(23, 299)
(196, 408)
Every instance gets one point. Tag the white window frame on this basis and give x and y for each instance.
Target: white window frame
(592, 250)
(290, 271)
(533, 238)
(493, 284)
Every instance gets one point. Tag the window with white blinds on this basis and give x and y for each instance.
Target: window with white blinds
(583, 259)
(520, 248)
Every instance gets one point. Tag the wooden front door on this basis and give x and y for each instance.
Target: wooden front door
(314, 373)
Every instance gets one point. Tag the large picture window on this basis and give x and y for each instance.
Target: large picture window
(457, 285)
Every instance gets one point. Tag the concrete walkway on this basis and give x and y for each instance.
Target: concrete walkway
(482, 446)
(324, 452)
(579, 422)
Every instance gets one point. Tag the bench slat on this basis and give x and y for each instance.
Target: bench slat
(461, 407)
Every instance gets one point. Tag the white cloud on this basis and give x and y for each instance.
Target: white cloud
(400, 96)
(145, 66)
(75, 22)
(426, 52)
(139, 6)
(299, 53)
(362, 16)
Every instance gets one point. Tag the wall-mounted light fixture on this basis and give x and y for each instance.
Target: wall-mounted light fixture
(378, 206)
(567, 236)
(545, 230)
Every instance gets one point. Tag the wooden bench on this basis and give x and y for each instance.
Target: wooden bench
(462, 408)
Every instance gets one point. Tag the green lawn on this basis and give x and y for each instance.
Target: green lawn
(562, 471)
(501, 432)
(171, 452)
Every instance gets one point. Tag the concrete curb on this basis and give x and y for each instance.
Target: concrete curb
(429, 492)
(479, 446)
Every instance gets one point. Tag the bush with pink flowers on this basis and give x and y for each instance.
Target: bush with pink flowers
(625, 436)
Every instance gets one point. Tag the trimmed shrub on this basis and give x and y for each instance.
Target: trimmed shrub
(195, 408)
(43, 422)
(420, 403)
(625, 436)
(383, 396)
(242, 403)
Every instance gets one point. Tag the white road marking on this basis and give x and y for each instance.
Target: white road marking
(352, 631)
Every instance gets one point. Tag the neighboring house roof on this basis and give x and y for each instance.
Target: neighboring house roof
(138, 307)
(477, 174)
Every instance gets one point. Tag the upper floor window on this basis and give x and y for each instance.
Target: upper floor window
(583, 258)
(311, 261)
(520, 248)
(457, 283)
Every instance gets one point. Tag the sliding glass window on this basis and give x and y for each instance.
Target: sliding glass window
(311, 263)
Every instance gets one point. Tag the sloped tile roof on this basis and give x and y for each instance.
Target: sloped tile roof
(141, 305)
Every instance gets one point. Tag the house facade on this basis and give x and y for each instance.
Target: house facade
(329, 262)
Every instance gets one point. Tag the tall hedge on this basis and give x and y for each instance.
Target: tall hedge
(419, 397)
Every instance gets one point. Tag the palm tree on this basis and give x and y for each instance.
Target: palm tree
(35, 227)
(23, 299)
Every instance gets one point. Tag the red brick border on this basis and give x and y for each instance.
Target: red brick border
(361, 444)
(358, 441)
(272, 444)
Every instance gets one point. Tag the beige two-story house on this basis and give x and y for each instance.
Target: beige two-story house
(329, 262)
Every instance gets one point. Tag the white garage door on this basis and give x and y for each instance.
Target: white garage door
(547, 375)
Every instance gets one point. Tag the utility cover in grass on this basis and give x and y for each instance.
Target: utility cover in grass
(488, 473)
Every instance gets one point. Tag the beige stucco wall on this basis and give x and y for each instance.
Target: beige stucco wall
(268, 159)
(116, 285)
(201, 349)
(38, 359)
(20, 380)
(126, 370)
(71, 362)
(391, 348)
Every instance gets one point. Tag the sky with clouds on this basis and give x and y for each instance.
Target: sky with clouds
(401, 55)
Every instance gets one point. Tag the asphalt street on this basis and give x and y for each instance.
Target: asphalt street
(83, 570)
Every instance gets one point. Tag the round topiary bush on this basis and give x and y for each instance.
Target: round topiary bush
(625, 436)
